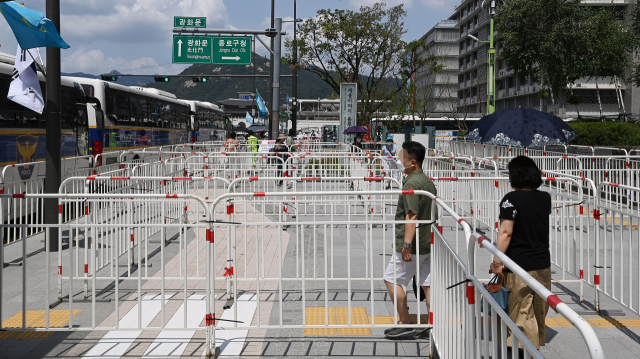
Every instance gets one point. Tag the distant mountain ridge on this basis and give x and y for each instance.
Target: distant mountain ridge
(310, 86)
(125, 80)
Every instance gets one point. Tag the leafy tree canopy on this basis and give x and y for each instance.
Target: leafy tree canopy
(562, 41)
(363, 46)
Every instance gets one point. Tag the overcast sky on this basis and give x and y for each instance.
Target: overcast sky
(134, 36)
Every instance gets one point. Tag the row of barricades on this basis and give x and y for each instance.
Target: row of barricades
(469, 203)
(241, 253)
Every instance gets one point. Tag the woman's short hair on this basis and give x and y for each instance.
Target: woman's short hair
(524, 173)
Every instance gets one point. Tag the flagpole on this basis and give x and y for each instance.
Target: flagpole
(53, 130)
(37, 64)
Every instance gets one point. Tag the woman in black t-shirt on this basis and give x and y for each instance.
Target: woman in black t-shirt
(524, 237)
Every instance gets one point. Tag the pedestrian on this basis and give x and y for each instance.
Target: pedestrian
(231, 143)
(410, 208)
(524, 238)
(357, 142)
(252, 143)
(290, 144)
(290, 137)
(282, 152)
(389, 153)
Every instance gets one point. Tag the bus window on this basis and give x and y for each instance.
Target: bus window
(138, 110)
(118, 109)
(99, 120)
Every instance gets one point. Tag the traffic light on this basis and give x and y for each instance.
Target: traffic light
(162, 78)
(199, 79)
(109, 77)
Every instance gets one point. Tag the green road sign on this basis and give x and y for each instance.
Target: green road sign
(232, 50)
(181, 21)
(192, 49)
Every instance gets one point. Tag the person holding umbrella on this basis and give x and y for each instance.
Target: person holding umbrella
(358, 131)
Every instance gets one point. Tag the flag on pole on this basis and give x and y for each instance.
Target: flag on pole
(25, 86)
(249, 119)
(262, 108)
(30, 27)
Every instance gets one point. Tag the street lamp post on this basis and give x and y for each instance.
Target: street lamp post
(294, 100)
(294, 111)
(491, 60)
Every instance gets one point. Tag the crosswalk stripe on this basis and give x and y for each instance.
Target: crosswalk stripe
(115, 343)
(172, 343)
(230, 340)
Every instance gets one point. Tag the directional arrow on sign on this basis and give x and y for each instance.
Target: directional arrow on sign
(237, 58)
(179, 48)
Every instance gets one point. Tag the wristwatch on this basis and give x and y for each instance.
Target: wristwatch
(407, 245)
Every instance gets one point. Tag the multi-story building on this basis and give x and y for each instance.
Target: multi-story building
(514, 91)
(437, 92)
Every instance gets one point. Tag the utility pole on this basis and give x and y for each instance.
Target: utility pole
(294, 110)
(272, 99)
(491, 64)
(53, 162)
(275, 102)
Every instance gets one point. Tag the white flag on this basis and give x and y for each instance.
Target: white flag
(25, 87)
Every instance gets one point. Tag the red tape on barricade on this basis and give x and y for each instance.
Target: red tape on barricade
(471, 294)
(553, 301)
(228, 272)
(407, 191)
(230, 209)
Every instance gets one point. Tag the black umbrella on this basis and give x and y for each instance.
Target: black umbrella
(521, 127)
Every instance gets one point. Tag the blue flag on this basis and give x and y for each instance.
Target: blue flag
(287, 98)
(30, 27)
(249, 119)
(261, 106)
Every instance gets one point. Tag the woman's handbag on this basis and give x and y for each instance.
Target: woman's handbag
(498, 291)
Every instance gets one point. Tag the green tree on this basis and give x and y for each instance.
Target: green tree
(363, 46)
(562, 41)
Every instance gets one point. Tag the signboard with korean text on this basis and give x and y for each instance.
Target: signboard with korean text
(192, 49)
(182, 21)
(232, 50)
(348, 110)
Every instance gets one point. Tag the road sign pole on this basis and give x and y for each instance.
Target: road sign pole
(53, 162)
(275, 106)
(294, 108)
(271, 62)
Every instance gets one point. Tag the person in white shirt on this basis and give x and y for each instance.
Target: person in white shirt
(389, 153)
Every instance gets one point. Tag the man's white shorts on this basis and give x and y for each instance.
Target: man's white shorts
(406, 270)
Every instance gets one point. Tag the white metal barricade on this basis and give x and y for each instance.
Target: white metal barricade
(485, 346)
(113, 233)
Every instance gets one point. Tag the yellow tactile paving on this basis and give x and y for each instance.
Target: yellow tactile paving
(596, 322)
(381, 320)
(7, 335)
(339, 316)
(317, 316)
(36, 319)
(33, 335)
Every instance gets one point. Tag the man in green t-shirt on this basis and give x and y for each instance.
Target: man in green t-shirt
(411, 207)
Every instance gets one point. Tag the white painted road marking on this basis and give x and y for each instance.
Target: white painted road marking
(171, 344)
(115, 343)
(231, 340)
